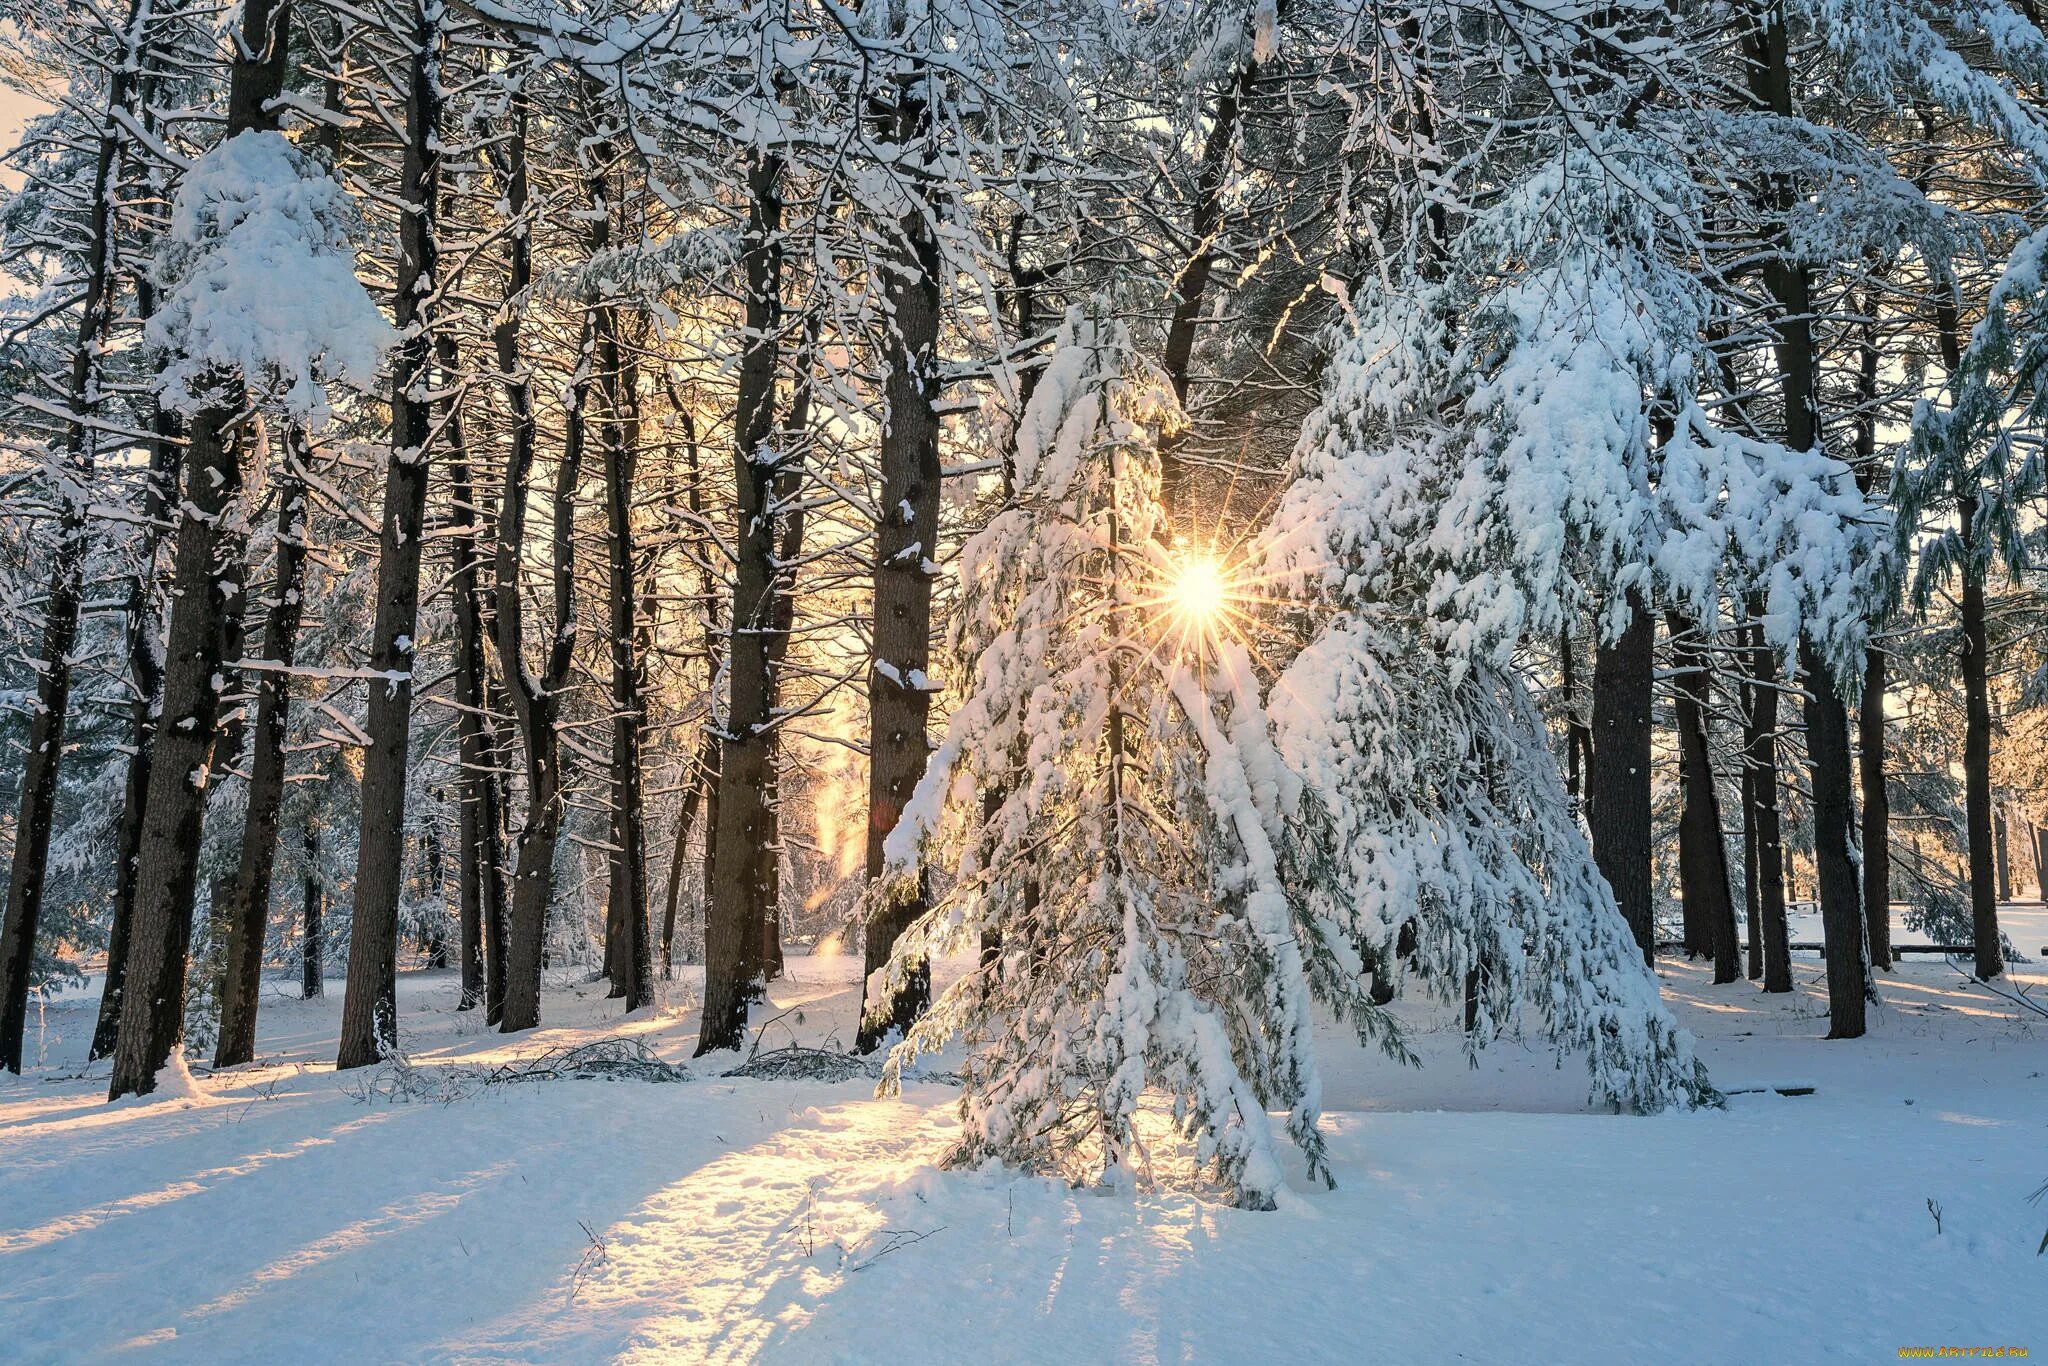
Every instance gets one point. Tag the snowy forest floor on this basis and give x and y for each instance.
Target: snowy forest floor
(281, 1212)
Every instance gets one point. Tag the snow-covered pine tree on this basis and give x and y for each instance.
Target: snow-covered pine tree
(1465, 487)
(1132, 869)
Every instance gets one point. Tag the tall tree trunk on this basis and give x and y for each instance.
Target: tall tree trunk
(1751, 867)
(1976, 681)
(537, 701)
(1841, 907)
(480, 877)
(628, 961)
(906, 551)
(1827, 723)
(1870, 735)
(789, 481)
(2001, 840)
(203, 594)
(1578, 736)
(1760, 756)
(369, 1013)
(703, 792)
(1877, 836)
(145, 659)
(1619, 783)
(693, 798)
(742, 888)
(246, 908)
(1703, 853)
(97, 309)
(313, 908)
(1977, 754)
(629, 819)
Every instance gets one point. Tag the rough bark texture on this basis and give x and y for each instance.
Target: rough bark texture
(313, 908)
(2001, 838)
(205, 589)
(369, 1014)
(1870, 735)
(480, 877)
(534, 700)
(1618, 787)
(899, 697)
(1841, 905)
(246, 907)
(1877, 837)
(1751, 905)
(742, 879)
(1703, 853)
(629, 819)
(1977, 759)
(629, 962)
(145, 667)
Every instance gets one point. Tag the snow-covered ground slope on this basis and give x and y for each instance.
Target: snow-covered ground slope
(283, 1213)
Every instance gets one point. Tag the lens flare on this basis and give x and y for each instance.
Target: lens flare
(1198, 590)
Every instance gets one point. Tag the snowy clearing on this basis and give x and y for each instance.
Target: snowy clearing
(1481, 1214)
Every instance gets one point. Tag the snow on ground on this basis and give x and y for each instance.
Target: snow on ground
(279, 1212)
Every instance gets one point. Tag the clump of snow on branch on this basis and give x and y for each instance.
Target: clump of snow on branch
(1540, 447)
(260, 279)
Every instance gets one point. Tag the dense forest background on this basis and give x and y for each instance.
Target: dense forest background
(1264, 501)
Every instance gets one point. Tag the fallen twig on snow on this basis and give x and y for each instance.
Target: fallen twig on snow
(602, 1060)
(894, 1239)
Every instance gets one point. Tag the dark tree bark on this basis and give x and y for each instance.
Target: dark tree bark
(369, 1014)
(1870, 735)
(1751, 905)
(789, 480)
(2001, 838)
(1877, 853)
(1761, 759)
(313, 907)
(906, 548)
(246, 907)
(1977, 755)
(205, 590)
(1976, 662)
(630, 964)
(536, 702)
(693, 799)
(1841, 907)
(145, 663)
(703, 790)
(1703, 853)
(1578, 735)
(1619, 783)
(629, 818)
(480, 877)
(29, 869)
(743, 870)
(1827, 723)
